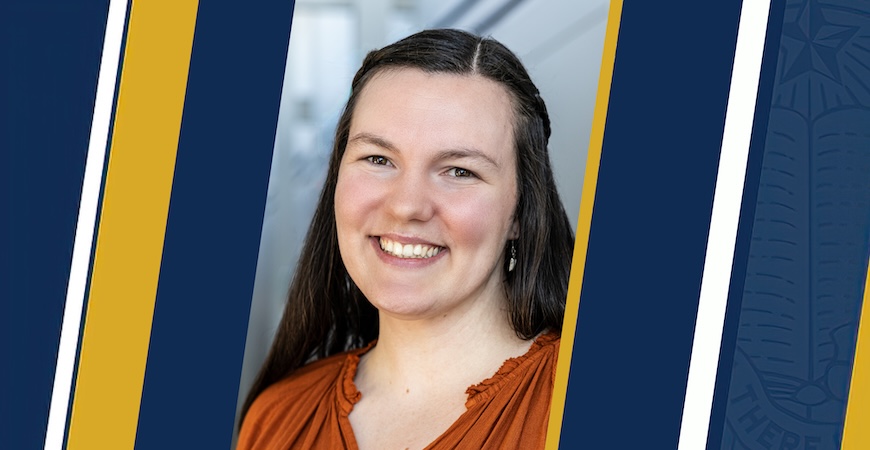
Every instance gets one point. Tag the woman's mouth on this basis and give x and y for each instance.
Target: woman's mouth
(399, 250)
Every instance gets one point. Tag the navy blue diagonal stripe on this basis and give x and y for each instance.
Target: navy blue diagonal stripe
(649, 225)
(50, 58)
(213, 230)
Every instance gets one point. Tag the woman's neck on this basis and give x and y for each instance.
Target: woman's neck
(440, 352)
(414, 381)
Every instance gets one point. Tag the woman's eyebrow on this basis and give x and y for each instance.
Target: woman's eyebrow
(372, 139)
(468, 153)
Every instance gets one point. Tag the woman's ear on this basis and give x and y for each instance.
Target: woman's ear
(515, 230)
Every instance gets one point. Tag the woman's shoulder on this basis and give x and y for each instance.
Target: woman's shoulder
(549, 347)
(541, 355)
(320, 373)
(289, 405)
(537, 365)
(311, 380)
(511, 409)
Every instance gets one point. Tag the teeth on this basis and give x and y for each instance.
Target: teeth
(408, 250)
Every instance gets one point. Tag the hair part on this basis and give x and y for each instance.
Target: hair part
(326, 313)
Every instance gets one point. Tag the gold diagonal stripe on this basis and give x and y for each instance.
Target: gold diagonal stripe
(856, 433)
(584, 222)
(129, 246)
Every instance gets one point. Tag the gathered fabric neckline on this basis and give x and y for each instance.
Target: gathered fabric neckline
(349, 395)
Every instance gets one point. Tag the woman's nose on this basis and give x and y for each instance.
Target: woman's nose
(411, 198)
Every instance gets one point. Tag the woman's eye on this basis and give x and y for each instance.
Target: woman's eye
(378, 160)
(460, 172)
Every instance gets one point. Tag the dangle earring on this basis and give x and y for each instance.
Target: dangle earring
(513, 259)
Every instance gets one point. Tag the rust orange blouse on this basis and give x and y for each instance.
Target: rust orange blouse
(310, 408)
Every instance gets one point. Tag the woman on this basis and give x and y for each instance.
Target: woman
(427, 303)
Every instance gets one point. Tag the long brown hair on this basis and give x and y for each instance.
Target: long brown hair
(326, 313)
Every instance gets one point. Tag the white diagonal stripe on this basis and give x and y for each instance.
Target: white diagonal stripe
(84, 237)
(727, 198)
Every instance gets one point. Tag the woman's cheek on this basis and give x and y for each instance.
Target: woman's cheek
(352, 195)
(477, 217)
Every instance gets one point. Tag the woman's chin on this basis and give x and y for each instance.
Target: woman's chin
(406, 307)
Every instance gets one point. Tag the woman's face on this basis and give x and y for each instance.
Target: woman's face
(426, 192)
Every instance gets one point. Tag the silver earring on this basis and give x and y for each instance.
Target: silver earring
(513, 259)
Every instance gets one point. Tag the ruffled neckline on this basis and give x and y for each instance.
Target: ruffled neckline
(350, 395)
(507, 371)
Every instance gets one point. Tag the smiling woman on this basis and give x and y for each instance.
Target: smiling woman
(429, 163)
(428, 301)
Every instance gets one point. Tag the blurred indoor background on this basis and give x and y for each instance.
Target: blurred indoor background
(559, 41)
